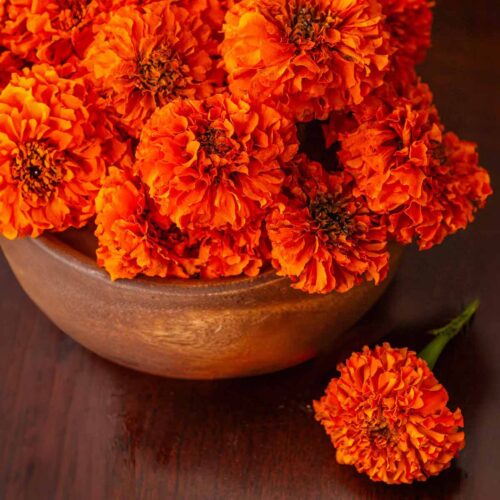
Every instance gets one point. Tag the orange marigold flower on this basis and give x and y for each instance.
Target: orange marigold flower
(380, 103)
(311, 56)
(455, 189)
(133, 237)
(144, 57)
(211, 13)
(231, 253)
(387, 415)
(409, 25)
(50, 157)
(322, 237)
(214, 163)
(427, 185)
(52, 30)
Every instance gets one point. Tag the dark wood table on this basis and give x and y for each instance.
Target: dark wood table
(73, 426)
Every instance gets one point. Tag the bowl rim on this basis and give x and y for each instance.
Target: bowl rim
(70, 256)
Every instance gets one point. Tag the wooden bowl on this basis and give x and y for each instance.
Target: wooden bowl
(186, 329)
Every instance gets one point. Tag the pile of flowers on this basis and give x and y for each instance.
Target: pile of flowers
(177, 128)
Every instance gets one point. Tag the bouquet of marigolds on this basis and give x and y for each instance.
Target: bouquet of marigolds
(174, 126)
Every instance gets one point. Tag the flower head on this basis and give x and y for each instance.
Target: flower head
(143, 57)
(51, 31)
(403, 87)
(387, 415)
(455, 190)
(50, 156)
(310, 56)
(214, 163)
(428, 184)
(133, 237)
(409, 25)
(387, 155)
(322, 237)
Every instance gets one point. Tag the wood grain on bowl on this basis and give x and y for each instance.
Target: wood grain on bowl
(183, 328)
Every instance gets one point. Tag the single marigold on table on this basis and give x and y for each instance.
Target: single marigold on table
(387, 415)
(215, 163)
(232, 253)
(50, 156)
(426, 184)
(143, 57)
(310, 56)
(322, 237)
(134, 238)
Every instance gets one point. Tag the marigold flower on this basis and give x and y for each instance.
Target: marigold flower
(311, 56)
(214, 163)
(388, 155)
(322, 237)
(409, 25)
(143, 57)
(133, 237)
(231, 253)
(50, 157)
(387, 415)
(428, 185)
(380, 103)
(455, 190)
(211, 13)
(51, 31)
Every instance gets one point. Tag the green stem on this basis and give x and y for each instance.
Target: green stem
(443, 335)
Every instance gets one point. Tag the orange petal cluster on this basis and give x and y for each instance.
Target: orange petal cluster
(232, 253)
(322, 236)
(133, 237)
(409, 25)
(426, 184)
(310, 56)
(50, 155)
(143, 57)
(214, 163)
(211, 12)
(51, 31)
(456, 189)
(387, 415)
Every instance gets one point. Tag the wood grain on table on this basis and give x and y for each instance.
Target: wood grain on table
(73, 426)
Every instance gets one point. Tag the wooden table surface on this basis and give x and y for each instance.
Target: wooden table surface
(73, 426)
